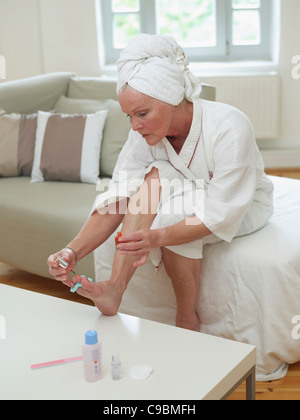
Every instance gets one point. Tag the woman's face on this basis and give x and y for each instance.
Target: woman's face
(150, 117)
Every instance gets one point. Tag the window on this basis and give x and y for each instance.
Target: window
(206, 29)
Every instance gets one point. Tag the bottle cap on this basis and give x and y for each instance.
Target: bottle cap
(62, 263)
(91, 337)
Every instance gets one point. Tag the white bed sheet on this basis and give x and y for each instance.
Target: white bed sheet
(249, 292)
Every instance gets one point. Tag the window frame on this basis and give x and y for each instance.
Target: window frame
(258, 52)
(225, 51)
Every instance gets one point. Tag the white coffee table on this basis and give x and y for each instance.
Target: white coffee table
(187, 365)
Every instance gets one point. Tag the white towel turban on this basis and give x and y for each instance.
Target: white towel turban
(157, 66)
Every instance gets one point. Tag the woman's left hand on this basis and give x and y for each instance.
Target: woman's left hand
(138, 244)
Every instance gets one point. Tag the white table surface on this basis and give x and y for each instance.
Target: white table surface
(39, 328)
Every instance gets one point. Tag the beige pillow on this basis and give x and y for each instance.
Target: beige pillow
(17, 139)
(116, 128)
(67, 147)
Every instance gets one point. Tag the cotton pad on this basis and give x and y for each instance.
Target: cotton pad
(140, 372)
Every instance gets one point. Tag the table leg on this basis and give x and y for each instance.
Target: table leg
(250, 385)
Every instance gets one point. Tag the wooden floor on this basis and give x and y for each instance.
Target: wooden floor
(17, 278)
(288, 173)
(287, 388)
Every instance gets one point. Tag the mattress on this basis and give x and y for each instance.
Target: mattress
(249, 290)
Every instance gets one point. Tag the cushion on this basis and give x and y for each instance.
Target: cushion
(92, 88)
(67, 147)
(116, 128)
(17, 139)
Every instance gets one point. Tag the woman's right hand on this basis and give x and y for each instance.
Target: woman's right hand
(59, 273)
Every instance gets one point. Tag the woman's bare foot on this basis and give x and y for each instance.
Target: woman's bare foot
(106, 295)
(188, 322)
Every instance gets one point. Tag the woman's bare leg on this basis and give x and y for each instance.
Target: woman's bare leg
(184, 272)
(141, 211)
(185, 276)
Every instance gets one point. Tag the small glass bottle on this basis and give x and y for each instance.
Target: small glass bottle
(116, 372)
(92, 357)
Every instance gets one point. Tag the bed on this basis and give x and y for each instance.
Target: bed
(249, 292)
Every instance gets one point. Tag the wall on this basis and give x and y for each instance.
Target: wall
(290, 88)
(19, 38)
(39, 36)
(286, 149)
(69, 36)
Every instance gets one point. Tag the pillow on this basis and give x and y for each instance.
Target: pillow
(116, 129)
(67, 147)
(17, 139)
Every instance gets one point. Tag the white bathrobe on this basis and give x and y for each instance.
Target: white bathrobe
(218, 176)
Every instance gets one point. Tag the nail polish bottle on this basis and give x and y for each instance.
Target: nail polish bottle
(116, 372)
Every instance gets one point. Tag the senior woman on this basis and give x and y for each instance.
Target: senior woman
(189, 174)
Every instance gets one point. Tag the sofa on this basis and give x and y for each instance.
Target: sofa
(39, 218)
(249, 289)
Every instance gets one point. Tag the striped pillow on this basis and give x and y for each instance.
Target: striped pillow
(17, 139)
(67, 147)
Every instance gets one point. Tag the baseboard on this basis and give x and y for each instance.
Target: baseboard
(285, 158)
